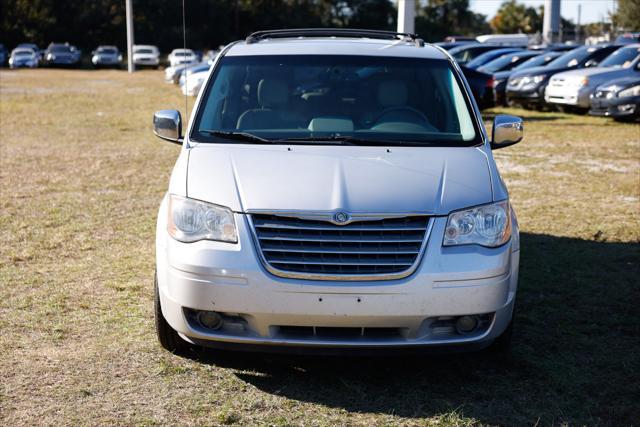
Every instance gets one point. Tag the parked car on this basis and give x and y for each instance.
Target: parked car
(3, 54)
(487, 57)
(191, 81)
(106, 56)
(619, 98)
(573, 89)
(628, 38)
(451, 45)
(39, 52)
(61, 54)
(527, 87)
(23, 58)
(146, 56)
(501, 77)
(172, 74)
(467, 52)
(182, 57)
(508, 61)
(519, 40)
(334, 193)
(481, 85)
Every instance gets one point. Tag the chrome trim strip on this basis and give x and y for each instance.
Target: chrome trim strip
(338, 277)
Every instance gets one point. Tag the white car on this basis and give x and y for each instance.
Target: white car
(146, 55)
(336, 190)
(182, 57)
(23, 57)
(574, 88)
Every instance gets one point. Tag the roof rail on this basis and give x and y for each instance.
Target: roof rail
(333, 32)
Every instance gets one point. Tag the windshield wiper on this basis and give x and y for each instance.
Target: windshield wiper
(238, 136)
(346, 140)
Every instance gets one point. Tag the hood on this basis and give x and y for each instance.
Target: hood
(501, 75)
(597, 75)
(535, 71)
(434, 180)
(621, 83)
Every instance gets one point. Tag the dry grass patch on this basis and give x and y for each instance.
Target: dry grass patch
(81, 178)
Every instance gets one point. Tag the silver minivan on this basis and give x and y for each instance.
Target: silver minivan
(335, 190)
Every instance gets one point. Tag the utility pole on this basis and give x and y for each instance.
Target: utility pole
(406, 16)
(129, 9)
(578, 26)
(551, 24)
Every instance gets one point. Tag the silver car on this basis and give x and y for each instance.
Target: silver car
(23, 58)
(106, 56)
(336, 189)
(574, 88)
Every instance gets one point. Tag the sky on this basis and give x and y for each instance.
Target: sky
(592, 10)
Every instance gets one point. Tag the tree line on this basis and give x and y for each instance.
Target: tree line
(210, 23)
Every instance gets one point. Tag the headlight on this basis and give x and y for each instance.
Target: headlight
(533, 80)
(632, 91)
(487, 225)
(192, 220)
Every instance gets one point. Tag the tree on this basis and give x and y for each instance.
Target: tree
(627, 17)
(441, 18)
(514, 18)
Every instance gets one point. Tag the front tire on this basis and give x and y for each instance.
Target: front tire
(168, 337)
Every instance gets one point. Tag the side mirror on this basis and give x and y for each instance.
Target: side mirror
(591, 63)
(507, 130)
(167, 124)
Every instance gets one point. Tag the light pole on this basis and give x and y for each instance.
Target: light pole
(129, 9)
(406, 16)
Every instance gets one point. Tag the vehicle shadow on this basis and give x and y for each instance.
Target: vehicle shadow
(572, 358)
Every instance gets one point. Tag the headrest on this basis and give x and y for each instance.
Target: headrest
(392, 93)
(273, 93)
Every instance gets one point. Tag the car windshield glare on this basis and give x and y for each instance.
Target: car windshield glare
(621, 58)
(328, 97)
(536, 61)
(572, 58)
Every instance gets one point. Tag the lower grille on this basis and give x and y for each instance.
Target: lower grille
(319, 248)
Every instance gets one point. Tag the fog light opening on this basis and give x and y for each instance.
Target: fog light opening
(466, 324)
(210, 319)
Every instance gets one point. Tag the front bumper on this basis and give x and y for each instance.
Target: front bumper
(568, 95)
(520, 96)
(261, 309)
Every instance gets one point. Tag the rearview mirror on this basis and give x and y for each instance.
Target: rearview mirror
(591, 63)
(167, 124)
(507, 130)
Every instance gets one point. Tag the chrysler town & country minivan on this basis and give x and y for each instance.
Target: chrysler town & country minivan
(335, 189)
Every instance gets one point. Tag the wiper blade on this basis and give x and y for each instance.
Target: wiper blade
(347, 140)
(238, 136)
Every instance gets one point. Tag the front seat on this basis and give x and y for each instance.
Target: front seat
(274, 112)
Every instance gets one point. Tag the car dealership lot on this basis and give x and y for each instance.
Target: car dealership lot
(82, 177)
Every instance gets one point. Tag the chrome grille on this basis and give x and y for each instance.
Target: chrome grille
(293, 247)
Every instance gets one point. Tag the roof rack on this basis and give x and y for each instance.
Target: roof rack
(333, 32)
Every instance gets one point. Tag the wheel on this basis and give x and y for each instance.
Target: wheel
(168, 337)
(502, 344)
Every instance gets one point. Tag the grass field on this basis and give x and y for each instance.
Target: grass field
(81, 177)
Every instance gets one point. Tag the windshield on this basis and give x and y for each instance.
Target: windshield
(572, 58)
(60, 49)
(143, 50)
(107, 50)
(384, 99)
(23, 53)
(502, 63)
(182, 53)
(621, 58)
(536, 61)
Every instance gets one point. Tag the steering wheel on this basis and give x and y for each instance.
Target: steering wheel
(404, 108)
